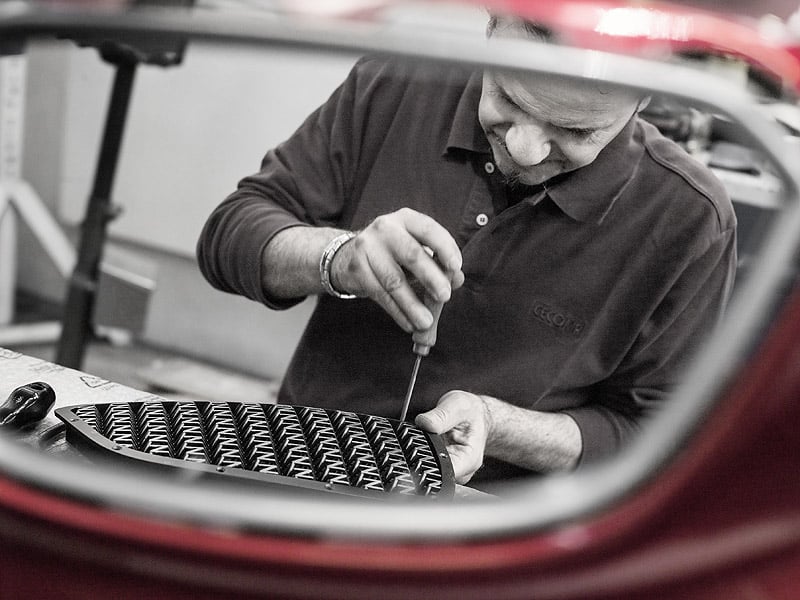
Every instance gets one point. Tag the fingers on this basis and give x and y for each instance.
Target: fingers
(428, 271)
(465, 465)
(459, 417)
(388, 257)
(374, 273)
(406, 233)
(395, 286)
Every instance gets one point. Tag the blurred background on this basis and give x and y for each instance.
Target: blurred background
(189, 138)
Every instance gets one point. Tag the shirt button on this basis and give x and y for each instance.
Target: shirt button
(489, 167)
(482, 219)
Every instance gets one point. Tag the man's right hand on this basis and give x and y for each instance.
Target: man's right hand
(387, 258)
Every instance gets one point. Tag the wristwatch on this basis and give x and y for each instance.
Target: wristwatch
(326, 260)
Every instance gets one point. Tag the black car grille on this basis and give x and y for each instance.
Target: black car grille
(311, 448)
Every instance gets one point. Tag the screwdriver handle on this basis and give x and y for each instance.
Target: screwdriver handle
(425, 339)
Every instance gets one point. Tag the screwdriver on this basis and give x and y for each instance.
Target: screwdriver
(423, 342)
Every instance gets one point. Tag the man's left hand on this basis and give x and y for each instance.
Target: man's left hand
(464, 422)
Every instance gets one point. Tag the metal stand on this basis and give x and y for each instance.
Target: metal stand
(82, 290)
(125, 55)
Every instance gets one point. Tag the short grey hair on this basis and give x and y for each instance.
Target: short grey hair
(535, 30)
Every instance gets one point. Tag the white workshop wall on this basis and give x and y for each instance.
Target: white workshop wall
(194, 130)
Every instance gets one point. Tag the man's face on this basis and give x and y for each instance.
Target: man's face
(541, 126)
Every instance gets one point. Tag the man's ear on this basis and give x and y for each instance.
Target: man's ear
(643, 103)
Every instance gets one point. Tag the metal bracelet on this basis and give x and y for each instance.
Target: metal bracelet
(326, 260)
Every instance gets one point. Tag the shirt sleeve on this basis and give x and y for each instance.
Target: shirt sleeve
(303, 181)
(653, 366)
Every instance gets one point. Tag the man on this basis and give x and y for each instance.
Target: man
(581, 257)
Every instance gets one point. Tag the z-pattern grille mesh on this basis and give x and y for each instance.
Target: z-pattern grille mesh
(302, 443)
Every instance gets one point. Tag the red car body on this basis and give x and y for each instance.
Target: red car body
(718, 516)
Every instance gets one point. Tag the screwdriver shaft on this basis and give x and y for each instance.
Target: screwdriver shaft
(410, 391)
(423, 342)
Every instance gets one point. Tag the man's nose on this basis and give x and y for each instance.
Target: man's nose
(527, 143)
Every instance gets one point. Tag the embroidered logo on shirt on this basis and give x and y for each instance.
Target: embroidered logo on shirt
(557, 319)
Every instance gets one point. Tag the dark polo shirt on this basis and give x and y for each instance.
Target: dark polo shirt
(586, 298)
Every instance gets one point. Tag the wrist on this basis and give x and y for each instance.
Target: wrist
(488, 417)
(326, 265)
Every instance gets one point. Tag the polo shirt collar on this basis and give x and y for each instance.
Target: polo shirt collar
(587, 194)
(466, 132)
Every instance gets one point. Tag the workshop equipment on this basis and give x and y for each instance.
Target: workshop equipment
(423, 342)
(305, 449)
(125, 54)
(27, 404)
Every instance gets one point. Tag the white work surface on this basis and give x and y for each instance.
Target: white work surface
(71, 387)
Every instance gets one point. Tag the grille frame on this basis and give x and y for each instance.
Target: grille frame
(408, 462)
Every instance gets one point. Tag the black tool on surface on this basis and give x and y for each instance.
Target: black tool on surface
(27, 404)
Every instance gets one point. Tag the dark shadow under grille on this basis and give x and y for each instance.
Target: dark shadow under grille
(312, 448)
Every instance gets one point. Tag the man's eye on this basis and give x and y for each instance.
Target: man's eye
(505, 99)
(580, 131)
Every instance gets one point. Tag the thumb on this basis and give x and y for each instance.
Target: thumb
(451, 411)
(434, 421)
